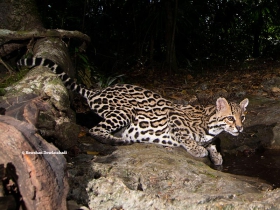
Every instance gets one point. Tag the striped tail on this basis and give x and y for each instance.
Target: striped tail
(68, 81)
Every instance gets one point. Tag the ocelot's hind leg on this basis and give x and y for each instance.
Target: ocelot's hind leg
(112, 122)
(101, 134)
(215, 156)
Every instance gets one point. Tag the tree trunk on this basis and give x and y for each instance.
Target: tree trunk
(257, 28)
(256, 45)
(171, 11)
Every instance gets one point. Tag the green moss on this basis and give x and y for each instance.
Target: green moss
(228, 207)
(211, 175)
(11, 79)
(2, 91)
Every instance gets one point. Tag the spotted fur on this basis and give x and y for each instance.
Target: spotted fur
(145, 116)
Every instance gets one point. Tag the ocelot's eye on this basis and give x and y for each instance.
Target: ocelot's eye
(242, 118)
(230, 118)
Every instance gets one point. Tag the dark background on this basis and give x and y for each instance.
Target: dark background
(169, 35)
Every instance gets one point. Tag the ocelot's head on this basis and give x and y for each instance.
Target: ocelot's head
(229, 117)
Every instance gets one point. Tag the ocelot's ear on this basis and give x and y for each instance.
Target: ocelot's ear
(222, 104)
(243, 104)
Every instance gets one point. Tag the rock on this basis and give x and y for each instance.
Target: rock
(275, 143)
(72, 205)
(272, 86)
(146, 176)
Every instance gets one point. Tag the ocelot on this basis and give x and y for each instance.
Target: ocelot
(145, 116)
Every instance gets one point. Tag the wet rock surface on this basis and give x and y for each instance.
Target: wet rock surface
(264, 165)
(143, 176)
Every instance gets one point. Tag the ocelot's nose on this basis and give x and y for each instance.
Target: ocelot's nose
(239, 128)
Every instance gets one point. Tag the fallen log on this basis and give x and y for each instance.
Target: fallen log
(39, 172)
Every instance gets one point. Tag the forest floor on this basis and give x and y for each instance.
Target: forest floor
(205, 86)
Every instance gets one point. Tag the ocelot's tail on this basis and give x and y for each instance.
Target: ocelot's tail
(68, 82)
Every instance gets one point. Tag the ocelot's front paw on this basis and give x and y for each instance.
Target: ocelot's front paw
(215, 156)
(217, 159)
(198, 151)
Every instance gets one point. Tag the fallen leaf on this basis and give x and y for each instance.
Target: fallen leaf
(275, 89)
(189, 77)
(82, 134)
(92, 153)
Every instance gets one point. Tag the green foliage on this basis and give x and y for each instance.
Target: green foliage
(84, 68)
(107, 81)
(89, 75)
(207, 32)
